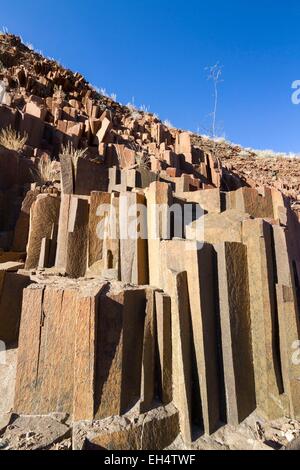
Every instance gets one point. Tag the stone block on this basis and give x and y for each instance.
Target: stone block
(7, 386)
(234, 304)
(289, 320)
(133, 239)
(21, 231)
(164, 344)
(90, 176)
(34, 128)
(148, 385)
(115, 180)
(155, 430)
(157, 133)
(215, 170)
(44, 217)
(72, 240)
(35, 433)
(77, 237)
(11, 293)
(280, 206)
(183, 143)
(48, 252)
(119, 351)
(270, 397)
(126, 156)
(85, 358)
(250, 201)
(103, 133)
(67, 173)
(98, 220)
(57, 339)
(111, 245)
(62, 236)
(12, 257)
(74, 132)
(209, 200)
(8, 168)
(199, 264)
(36, 107)
(159, 200)
(47, 325)
(181, 351)
(8, 116)
(226, 226)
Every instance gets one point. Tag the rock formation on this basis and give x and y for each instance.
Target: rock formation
(149, 290)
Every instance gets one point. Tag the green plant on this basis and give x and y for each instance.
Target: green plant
(13, 140)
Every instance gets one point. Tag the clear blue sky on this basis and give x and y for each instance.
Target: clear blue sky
(156, 51)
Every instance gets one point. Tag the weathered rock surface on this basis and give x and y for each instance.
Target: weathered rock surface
(149, 278)
(33, 433)
(151, 431)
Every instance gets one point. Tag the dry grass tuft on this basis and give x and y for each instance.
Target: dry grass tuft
(46, 170)
(143, 161)
(58, 93)
(12, 140)
(68, 151)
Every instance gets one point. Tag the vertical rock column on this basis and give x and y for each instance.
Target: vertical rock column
(159, 199)
(181, 351)
(98, 225)
(72, 241)
(133, 239)
(120, 333)
(44, 215)
(183, 255)
(164, 341)
(270, 396)
(234, 304)
(289, 325)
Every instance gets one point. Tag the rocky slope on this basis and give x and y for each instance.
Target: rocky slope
(26, 73)
(183, 338)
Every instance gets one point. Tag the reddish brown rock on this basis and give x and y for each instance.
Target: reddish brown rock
(120, 347)
(270, 396)
(164, 343)
(234, 303)
(11, 294)
(44, 217)
(72, 241)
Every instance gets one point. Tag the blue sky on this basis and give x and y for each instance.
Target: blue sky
(156, 51)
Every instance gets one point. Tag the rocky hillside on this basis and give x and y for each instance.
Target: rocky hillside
(149, 277)
(67, 97)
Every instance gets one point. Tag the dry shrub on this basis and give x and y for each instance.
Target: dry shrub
(68, 151)
(12, 140)
(143, 161)
(46, 171)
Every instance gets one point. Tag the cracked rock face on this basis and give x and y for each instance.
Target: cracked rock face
(34, 433)
(177, 339)
(7, 379)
